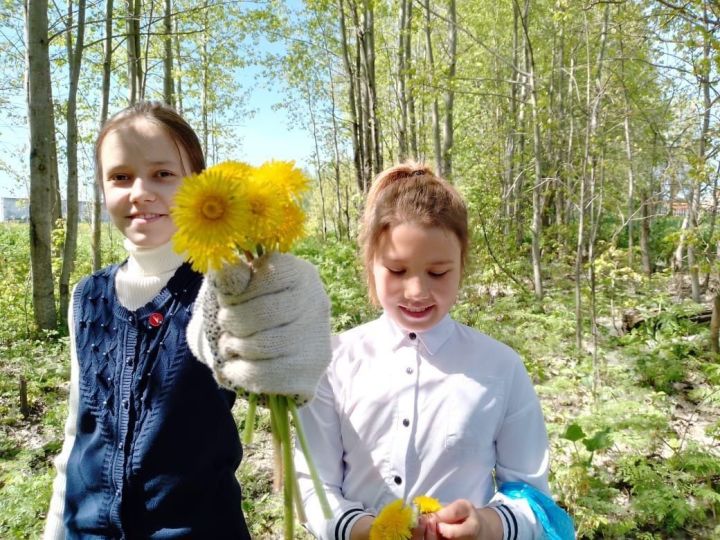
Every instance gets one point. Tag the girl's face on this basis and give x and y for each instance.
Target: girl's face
(141, 168)
(417, 274)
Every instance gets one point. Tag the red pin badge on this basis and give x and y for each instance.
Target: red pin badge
(156, 319)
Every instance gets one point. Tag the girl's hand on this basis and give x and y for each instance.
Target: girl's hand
(461, 520)
(264, 327)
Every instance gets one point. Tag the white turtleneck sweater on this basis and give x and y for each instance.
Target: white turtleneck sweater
(137, 282)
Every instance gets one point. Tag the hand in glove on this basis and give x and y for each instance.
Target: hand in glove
(264, 328)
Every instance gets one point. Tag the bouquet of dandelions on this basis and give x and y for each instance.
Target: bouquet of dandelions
(396, 520)
(230, 211)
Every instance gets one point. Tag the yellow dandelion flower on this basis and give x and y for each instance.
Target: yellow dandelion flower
(237, 169)
(210, 213)
(291, 229)
(265, 212)
(394, 522)
(286, 178)
(426, 505)
(204, 258)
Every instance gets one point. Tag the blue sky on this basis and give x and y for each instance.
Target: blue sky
(265, 135)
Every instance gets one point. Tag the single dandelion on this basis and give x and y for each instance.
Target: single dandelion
(426, 505)
(265, 207)
(210, 213)
(394, 522)
(287, 178)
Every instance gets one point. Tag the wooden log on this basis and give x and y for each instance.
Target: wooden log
(633, 318)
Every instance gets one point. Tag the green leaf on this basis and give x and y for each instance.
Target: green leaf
(600, 441)
(573, 433)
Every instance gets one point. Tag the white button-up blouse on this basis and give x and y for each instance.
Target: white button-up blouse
(445, 413)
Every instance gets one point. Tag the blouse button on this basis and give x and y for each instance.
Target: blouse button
(412, 335)
(409, 370)
(398, 480)
(406, 422)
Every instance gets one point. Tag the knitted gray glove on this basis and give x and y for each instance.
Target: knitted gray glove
(264, 329)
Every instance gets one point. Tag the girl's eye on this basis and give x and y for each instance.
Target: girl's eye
(438, 274)
(396, 272)
(118, 177)
(165, 174)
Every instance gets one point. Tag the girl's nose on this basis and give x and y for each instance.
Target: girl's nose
(140, 191)
(416, 288)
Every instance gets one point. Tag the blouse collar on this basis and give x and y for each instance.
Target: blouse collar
(432, 339)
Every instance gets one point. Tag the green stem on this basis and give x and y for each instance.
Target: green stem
(277, 447)
(317, 484)
(280, 409)
(249, 430)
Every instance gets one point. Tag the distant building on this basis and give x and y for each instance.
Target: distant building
(18, 209)
(14, 209)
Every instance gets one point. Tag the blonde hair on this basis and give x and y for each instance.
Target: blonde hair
(410, 193)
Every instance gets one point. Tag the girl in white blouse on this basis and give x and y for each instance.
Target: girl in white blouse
(415, 403)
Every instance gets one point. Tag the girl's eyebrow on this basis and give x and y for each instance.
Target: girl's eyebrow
(391, 260)
(162, 162)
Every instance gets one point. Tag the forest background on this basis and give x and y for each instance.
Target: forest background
(584, 135)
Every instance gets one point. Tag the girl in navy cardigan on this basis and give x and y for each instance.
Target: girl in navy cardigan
(151, 447)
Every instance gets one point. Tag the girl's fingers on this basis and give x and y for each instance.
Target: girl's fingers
(455, 512)
(430, 523)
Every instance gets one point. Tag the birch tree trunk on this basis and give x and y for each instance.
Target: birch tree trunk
(536, 224)
(168, 87)
(104, 103)
(448, 131)
(352, 99)
(592, 101)
(400, 82)
(74, 64)
(42, 130)
(135, 71)
(510, 138)
(435, 113)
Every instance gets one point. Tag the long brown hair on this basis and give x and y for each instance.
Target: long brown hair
(164, 116)
(410, 193)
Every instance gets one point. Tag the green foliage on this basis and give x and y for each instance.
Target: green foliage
(622, 464)
(344, 280)
(599, 441)
(669, 494)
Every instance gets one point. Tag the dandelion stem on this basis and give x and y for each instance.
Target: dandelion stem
(277, 449)
(250, 419)
(317, 484)
(280, 410)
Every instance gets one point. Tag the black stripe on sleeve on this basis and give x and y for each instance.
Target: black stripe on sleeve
(345, 518)
(512, 516)
(506, 519)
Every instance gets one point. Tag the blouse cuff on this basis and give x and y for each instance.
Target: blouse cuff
(345, 523)
(509, 522)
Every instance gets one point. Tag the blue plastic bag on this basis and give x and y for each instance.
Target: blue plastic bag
(555, 521)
